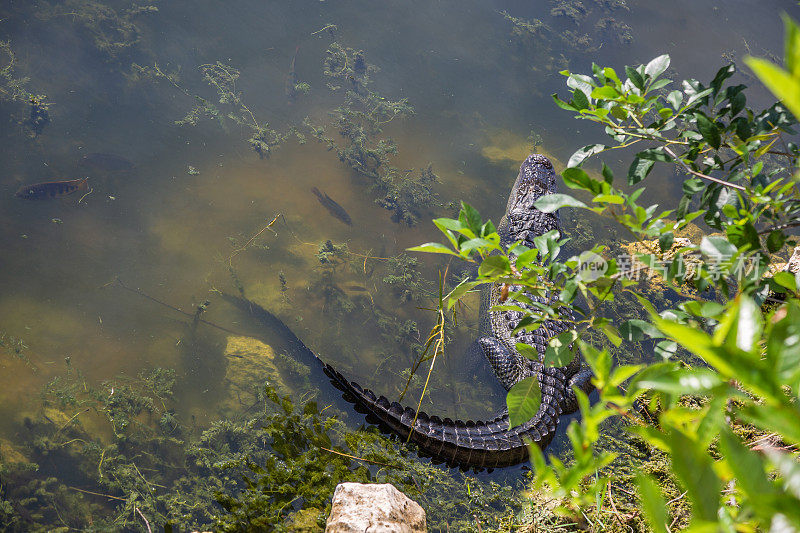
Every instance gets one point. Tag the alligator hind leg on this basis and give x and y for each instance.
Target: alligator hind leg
(509, 367)
(583, 381)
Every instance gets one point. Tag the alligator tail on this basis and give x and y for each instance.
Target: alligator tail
(472, 444)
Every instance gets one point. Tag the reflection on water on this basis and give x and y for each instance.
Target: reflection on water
(179, 211)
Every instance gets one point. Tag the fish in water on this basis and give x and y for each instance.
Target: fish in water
(106, 162)
(52, 189)
(333, 208)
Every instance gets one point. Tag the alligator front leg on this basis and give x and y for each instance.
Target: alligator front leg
(583, 381)
(509, 367)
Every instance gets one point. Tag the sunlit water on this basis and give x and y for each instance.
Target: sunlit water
(175, 233)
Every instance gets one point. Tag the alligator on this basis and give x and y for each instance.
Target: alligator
(491, 443)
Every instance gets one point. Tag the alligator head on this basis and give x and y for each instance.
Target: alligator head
(522, 221)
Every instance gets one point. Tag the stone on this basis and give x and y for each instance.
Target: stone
(250, 363)
(373, 508)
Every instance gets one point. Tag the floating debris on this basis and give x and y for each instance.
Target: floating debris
(333, 208)
(103, 162)
(52, 189)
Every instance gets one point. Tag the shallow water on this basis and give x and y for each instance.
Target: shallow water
(176, 221)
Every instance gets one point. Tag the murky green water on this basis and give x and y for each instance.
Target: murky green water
(184, 215)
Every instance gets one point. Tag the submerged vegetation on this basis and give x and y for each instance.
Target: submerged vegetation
(14, 90)
(134, 462)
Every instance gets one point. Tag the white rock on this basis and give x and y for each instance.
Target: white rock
(374, 508)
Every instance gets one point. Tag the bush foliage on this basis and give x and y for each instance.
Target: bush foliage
(726, 345)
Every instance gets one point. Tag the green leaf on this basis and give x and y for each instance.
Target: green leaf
(581, 155)
(608, 176)
(470, 218)
(785, 279)
(654, 154)
(605, 92)
(495, 265)
(562, 104)
(783, 345)
(526, 258)
(665, 241)
(775, 241)
(693, 467)
(666, 349)
(559, 350)
(782, 84)
(477, 242)
(722, 74)
(675, 98)
(657, 66)
(639, 170)
(635, 330)
(577, 178)
(717, 248)
(461, 289)
(789, 469)
(433, 248)
(447, 223)
(523, 401)
(579, 100)
(681, 381)
(659, 84)
(744, 236)
(708, 130)
(738, 102)
(635, 77)
(551, 202)
(609, 199)
(527, 351)
(775, 418)
(747, 466)
(612, 333)
(653, 504)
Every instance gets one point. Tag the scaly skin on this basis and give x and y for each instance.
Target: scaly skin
(485, 444)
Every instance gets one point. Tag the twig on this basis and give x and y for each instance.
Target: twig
(477, 524)
(325, 28)
(70, 420)
(145, 519)
(181, 311)
(703, 176)
(98, 494)
(780, 227)
(437, 349)
(676, 498)
(358, 458)
(254, 237)
(85, 195)
(614, 506)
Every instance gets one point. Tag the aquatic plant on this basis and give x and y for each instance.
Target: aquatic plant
(112, 32)
(406, 194)
(13, 89)
(229, 105)
(270, 470)
(359, 122)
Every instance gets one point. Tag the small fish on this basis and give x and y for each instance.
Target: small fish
(356, 288)
(333, 208)
(52, 189)
(106, 162)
